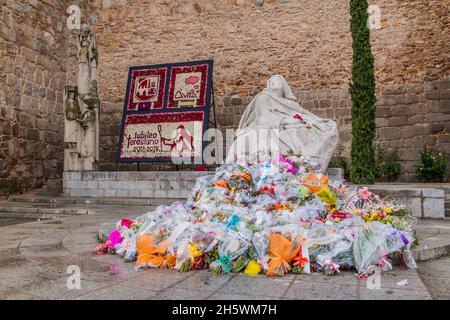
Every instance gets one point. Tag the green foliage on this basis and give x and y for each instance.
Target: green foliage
(101, 238)
(341, 162)
(434, 167)
(379, 159)
(392, 167)
(387, 165)
(362, 90)
(9, 187)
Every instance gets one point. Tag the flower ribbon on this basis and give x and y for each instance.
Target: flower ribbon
(286, 264)
(331, 265)
(233, 222)
(225, 262)
(264, 262)
(362, 276)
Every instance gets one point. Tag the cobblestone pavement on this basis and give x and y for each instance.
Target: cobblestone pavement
(34, 258)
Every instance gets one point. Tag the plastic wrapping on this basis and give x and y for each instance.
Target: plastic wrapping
(276, 216)
(282, 252)
(232, 252)
(150, 255)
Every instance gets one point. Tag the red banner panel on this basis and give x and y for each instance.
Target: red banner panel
(166, 112)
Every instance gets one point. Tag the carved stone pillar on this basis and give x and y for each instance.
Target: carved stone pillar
(81, 105)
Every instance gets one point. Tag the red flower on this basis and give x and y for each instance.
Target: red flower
(267, 189)
(198, 263)
(126, 223)
(300, 260)
(102, 248)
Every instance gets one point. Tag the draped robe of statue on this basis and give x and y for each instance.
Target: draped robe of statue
(274, 123)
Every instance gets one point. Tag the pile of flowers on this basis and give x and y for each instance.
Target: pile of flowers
(275, 216)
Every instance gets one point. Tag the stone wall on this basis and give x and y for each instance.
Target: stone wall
(32, 77)
(307, 41)
(409, 117)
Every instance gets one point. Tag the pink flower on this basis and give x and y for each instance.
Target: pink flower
(115, 238)
(289, 165)
(126, 223)
(364, 193)
(102, 248)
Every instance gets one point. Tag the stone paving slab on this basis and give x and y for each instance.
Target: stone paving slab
(119, 292)
(37, 254)
(7, 293)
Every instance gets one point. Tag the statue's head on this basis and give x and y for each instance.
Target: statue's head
(71, 91)
(275, 85)
(279, 86)
(85, 29)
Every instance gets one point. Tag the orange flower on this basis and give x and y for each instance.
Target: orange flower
(223, 184)
(300, 260)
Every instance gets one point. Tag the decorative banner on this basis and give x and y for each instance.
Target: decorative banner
(163, 135)
(147, 89)
(187, 86)
(166, 112)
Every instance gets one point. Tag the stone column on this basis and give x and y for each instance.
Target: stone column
(81, 133)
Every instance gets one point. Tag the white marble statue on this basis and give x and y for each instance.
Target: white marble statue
(274, 123)
(81, 127)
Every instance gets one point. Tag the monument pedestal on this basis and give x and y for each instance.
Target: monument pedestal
(139, 184)
(132, 184)
(423, 200)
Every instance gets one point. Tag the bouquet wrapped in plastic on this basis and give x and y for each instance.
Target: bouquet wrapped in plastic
(282, 251)
(274, 216)
(232, 254)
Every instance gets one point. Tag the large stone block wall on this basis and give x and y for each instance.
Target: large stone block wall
(306, 41)
(309, 42)
(32, 76)
(409, 117)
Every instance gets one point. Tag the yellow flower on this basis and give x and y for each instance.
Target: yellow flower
(387, 210)
(195, 252)
(253, 268)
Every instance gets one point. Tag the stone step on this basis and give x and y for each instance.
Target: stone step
(66, 200)
(24, 215)
(11, 208)
(433, 248)
(434, 239)
(49, 207)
